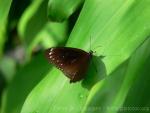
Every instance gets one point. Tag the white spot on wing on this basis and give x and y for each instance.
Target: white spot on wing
(51, 49)
(50, 53)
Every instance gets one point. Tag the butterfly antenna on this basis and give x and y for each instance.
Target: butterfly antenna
(91, 46)
(90, 42)
(97, 47)
(102, 56)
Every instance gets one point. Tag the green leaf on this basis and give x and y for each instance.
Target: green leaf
(33, 20)
(59, 10)
(4, 10)
(110, 27)
(119, 30)
(24, 80)
(138, 99)
(109, 95)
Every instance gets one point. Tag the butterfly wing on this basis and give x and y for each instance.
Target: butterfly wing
(71, 61)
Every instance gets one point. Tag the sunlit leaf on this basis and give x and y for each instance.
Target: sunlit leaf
(119, 27)
(59, 10)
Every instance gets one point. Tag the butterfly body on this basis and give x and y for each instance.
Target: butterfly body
(72, 62)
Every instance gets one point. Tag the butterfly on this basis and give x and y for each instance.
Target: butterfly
(73, 62)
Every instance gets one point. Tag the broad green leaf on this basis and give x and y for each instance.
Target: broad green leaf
(59, 10)
(23, 82)
(115, 26)
(33, 20)
(4, 9)
(138, 99)
(109, 95)
(110, 27)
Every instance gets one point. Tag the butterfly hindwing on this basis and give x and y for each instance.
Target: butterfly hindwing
(71, 61)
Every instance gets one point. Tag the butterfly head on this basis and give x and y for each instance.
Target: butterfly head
(91, 53)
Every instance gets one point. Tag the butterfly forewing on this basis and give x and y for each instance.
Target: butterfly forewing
(73, 62)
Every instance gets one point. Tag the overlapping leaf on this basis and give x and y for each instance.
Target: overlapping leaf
(119, 27)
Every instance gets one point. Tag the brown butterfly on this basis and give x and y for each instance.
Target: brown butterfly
(72, 62)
